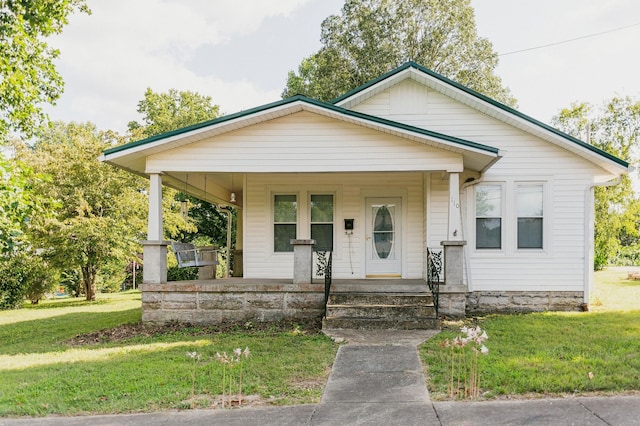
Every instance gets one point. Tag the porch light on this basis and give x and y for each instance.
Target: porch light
(233, 197)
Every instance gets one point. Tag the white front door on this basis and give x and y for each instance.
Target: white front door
(383, 237)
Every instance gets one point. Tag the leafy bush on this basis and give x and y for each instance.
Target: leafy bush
(182, 274)
(70, 279)
(628, 256)
(24, 275)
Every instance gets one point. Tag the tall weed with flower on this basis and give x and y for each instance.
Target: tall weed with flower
(231, 363)
(196, 359)
(464, 373)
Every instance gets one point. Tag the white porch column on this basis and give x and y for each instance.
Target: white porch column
(154, 226)
(454, 231)
(155, 248)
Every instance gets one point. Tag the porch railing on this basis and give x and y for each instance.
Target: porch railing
(434, 274)
(323, 269)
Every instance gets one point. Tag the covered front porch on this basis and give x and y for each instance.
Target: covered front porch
(374, 193)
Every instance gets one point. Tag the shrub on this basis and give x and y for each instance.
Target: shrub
(24, 275)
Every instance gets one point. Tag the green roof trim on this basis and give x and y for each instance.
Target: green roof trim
(486, 99)
(198, 126)
(304, 99)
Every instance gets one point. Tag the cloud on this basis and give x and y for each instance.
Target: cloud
(109, 58)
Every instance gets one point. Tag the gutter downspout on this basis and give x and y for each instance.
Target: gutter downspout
(465, 249)
(589, 218)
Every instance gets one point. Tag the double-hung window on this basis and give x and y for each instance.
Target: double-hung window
(530, 208)
(322, 208)
(285, 217)
(488, 204)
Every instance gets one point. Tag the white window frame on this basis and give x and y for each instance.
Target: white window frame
(503, 222)
(273, 222)
(311, 193)
(544, 217)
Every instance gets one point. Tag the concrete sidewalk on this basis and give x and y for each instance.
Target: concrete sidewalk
(377, 379)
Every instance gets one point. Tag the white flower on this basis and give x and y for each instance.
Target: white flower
(484, 350)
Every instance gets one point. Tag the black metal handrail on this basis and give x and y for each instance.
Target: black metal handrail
(434, 274)
(324, 270)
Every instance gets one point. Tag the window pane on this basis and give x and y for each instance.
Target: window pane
(323, 234)
(488, 233)
(529, 233)
(282, 234)
(488, 200)
(529, 199)
(322, 208)
(284, 208)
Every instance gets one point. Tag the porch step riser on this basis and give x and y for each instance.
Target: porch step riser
(380, 299)
(330, 323)
(391, 312)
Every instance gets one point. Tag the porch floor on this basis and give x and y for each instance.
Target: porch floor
(337, 285)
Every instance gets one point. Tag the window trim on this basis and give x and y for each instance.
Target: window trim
(274, 223)
(311, 193)
(503, 198)
(544, 217)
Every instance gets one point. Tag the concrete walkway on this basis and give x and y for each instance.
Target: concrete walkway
(377, 379)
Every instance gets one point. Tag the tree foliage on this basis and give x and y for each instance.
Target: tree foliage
(100, 211)
(372, 37)
(18, 205)
(614, 128)
(28, 77)
(164, 112)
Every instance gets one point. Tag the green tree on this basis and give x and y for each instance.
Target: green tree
(18, 205)
(614, 128)
(372, 37)
(101, 210)
(28, 77)
(164, 112)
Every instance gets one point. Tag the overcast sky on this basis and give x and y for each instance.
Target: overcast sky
(239, 52)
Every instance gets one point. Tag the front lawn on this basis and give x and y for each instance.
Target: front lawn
(46, 369)
(553, 353)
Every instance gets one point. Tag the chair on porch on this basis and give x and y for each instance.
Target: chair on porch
(189, 255)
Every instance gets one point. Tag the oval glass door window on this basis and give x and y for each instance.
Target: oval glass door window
(383, 231)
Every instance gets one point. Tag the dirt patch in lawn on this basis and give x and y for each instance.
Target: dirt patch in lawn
(128, 331)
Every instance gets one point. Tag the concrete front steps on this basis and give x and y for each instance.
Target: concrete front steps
(379, 306)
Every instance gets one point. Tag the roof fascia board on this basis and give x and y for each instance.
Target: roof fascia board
(498, 107)
(194, 129)
(292, 103)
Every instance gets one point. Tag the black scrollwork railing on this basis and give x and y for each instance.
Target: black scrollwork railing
(323, 269)
(434, 274)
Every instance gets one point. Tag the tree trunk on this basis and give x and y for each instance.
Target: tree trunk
(89, 282)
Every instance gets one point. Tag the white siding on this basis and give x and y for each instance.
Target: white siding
(560, 266)
(304, 142)
(350, 189)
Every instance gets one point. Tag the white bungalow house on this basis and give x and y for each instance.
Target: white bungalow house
(408, 162)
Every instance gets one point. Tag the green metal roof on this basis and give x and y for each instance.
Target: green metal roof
(486, 99)
(304, 99)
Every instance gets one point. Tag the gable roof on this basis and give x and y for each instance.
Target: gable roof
(132, 156)
(485, 105)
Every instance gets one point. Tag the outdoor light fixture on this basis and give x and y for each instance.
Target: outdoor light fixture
(233, 197)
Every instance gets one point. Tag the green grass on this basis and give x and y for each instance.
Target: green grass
(42, 373)
(553, 353)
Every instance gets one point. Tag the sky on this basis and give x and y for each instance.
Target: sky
(239, 52)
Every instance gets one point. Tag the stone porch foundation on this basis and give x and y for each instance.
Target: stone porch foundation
(215, 301)
(460, 304)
